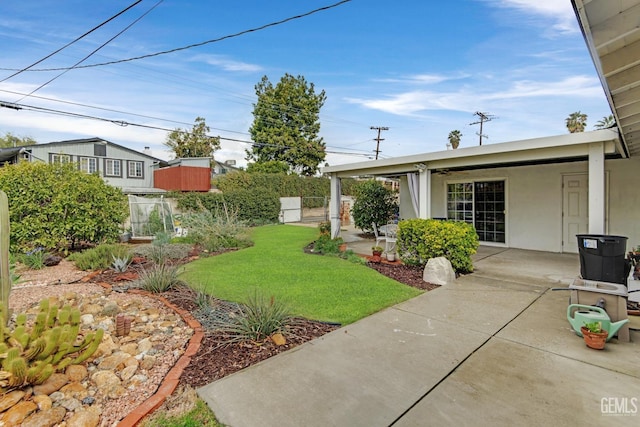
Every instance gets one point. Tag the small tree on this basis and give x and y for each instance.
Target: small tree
(374, 203)
(605, 122)
(576, 122)
(270, 166)
(194, 143)
(10, 140)
(454, 138)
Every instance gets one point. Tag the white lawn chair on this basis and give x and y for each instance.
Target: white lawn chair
(390, 237)
(379, 238)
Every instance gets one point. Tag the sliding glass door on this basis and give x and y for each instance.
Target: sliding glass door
(481, 203)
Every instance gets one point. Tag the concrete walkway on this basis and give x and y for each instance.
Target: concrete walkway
(494, 348)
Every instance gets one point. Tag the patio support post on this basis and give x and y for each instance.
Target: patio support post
(424, 199)
(597, 205)
(334, 205)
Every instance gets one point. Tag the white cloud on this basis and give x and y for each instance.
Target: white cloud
(465, 99)
(227, 64)
(559, 11)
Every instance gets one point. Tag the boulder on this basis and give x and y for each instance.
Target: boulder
(439, 271)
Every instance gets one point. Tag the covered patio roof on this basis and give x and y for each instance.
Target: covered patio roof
(567, 147)
(611, 30)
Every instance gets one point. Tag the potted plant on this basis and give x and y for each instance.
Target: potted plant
(391, 256)
(377, 253)
(593, 334)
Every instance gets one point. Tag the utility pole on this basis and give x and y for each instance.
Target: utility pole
(378, 139)
(484, 117)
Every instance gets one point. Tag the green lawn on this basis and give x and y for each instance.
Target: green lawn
(315, 287)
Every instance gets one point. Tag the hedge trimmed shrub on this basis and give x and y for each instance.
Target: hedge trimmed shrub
(56, 206)
(253, 206)
(422, 239)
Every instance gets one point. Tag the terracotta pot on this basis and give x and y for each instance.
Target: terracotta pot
(342, 247)
(594, 340)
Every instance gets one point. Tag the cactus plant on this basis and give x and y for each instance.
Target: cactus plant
(30, 357)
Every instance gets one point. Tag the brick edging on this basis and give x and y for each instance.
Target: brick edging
(170, 381)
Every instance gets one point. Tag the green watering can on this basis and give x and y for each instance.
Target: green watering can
(579, 314)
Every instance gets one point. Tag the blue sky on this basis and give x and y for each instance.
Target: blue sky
(419, 67)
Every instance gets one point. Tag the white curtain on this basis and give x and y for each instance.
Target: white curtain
(336, 199)
(414, 192)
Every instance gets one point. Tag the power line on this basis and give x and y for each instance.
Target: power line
(229, 36)
(93, 52)
(18, 107)
(378, 139)
(71, 42)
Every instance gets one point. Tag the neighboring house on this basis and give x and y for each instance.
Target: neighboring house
(219, 168)
(122, 167)
(539, 193)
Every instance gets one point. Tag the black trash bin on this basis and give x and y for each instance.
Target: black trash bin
(602, 257)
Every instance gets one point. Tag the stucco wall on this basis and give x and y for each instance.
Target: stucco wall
(534, 200)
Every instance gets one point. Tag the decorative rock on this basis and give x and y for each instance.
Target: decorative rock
(108, 383)
(115, 361)
(74, 390)
(76, 373)
(148, 362)
(43, 401)
(439, 271)
(18, 413)
(10, 399)
(46, 418)
(92, 309)
(278, 339)
(54, 383)
(128, 372)
(56, 396)
(70, 404)
(144, 345)
(106, 347)
(88, 400)
(89, 417)
(87, 319)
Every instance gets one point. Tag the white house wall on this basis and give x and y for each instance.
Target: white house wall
(534, 200)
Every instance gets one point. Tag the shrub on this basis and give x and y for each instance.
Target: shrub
(160, 278)
(422, 239)
(100, 257)
(159, 254)
(326, 245)
(257, 319)
(34, 259)
(374, 203)
(56, 206)
(216, 232)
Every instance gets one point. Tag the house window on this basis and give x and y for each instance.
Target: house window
(112, 167)
(60, 158)
(88, 164)
(482, 204)
(135, 169)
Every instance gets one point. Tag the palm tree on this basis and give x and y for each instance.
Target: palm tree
(454, 138)
(606, 122)
(576, 122)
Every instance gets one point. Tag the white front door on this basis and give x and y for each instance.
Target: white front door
(575, 210)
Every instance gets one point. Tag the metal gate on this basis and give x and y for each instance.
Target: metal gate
(315, 209)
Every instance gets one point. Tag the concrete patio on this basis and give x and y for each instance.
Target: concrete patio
(494, 348)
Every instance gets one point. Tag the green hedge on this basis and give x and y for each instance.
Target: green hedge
(254, 206)
(284, 185)
(422, 239)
